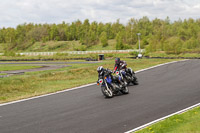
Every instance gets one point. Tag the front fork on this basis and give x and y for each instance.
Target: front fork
(123, 75)
(123, 78)
(106, 84)
(107, 88)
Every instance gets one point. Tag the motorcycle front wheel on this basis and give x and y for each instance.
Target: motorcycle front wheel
(107, 92)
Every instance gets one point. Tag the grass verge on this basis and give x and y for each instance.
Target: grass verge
(16, 67)
(187, 122)
(43, 82)
(163, 54)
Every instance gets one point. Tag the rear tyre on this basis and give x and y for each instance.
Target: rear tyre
(107, 92)
(135, 82)
(125, 90)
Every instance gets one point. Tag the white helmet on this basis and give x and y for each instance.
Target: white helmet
(100, 69)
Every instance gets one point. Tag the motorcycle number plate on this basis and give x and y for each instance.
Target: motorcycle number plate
(117, 72)
(101, 81)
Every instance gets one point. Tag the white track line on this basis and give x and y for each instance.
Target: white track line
(155, 121)
(80, 86)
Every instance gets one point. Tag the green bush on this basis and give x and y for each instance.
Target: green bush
(119, 38)
(173, 45)
(93, 56)
(9, 53)
(146, 53)
(80, 48)
(126, 46)
(145, 42)
(109, 55)
(62, 54)
(134, 53)
(103, 38)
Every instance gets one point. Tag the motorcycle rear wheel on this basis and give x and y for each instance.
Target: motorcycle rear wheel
(125, 90)
(135, 82)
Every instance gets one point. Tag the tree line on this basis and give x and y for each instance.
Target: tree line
(156, 35)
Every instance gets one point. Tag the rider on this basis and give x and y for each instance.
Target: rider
(104, 72)
(119, 65)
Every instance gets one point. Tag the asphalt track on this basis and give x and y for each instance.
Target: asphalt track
(162, 91)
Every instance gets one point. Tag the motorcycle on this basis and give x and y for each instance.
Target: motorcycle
(110, 86)
(128, 76)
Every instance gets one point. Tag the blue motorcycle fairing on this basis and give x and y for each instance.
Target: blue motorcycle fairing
(108, 79)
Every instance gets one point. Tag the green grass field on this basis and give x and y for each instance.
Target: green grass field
(54, 46)
(188, 122)
(163, 54)
(15, 67)
(111, 46)
(43, 82)
(2, 74)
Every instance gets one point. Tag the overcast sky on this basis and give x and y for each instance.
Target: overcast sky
(15, 12)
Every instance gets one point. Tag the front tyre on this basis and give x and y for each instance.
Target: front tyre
(107, 92)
